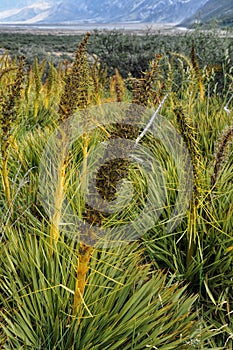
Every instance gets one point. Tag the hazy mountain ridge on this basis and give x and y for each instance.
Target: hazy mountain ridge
(222, 11)
(124, 10)
(25, 14)
(107, 11)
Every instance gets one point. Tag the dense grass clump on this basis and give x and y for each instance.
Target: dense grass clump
(62, 285)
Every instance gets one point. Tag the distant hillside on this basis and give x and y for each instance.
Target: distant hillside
(181, 12)
(97, 11)
(109, 11)
(219, 10)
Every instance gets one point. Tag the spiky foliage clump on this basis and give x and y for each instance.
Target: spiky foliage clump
(126, 305)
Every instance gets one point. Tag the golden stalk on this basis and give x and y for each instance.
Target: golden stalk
(5, 178)
(85, 251)
(84, 258)
(58, 200)
(70, 100)
(49, 85)
(197, 72)
(37, 81)
(84, 162)
(98, 76)
(117, 87)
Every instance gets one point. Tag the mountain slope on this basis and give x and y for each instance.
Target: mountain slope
(222, 11)
(124, 10)
(105, 11)
(25, 14)
(164, 11)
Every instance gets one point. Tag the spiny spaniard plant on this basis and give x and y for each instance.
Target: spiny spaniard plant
(165, 290)
(126, 304)
(206, 231)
